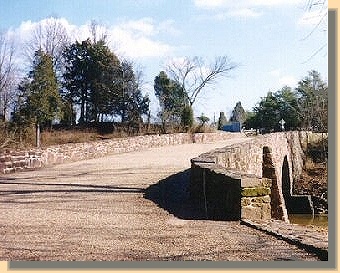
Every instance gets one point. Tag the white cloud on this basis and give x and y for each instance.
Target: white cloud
(243, 8)
(133, 44)
(137, 38)
(168, 26)
(210, 4)
(144, 26)
(245, 12)
(133, 38)
(217, 4)
(275, 3)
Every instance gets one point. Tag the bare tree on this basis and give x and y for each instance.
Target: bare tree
(98, 32)
(51, 37)
(194, 75)
(7, 74)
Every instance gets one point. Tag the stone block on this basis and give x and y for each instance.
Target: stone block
(259, 212)
(245, 201)
(19, 164)
(9, 170)
(250, 212)
(266, 213)
(250, 181)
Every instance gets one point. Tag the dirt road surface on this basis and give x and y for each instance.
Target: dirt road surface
(130, 206)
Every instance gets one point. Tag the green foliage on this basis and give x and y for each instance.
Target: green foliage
(132, 103)
(68, 117)
(288, 107)
(173, 101)
(187, 117)
(268, 113)
(39, 100)
(92, 79)
(203, 119)
(305, 107)
(101, 85)
(312, 95)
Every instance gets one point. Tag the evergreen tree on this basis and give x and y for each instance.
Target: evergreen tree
(76, 76)
(40, 101)
(105, 87)
(92, 79)
(40, 89)
(173, 101)
(132, 104)
(44, 100)
(305, 107)
(268, 113)
(313, 101)
(288, 107)
(187, 117)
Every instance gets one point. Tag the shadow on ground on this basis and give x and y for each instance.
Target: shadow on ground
(172, 194)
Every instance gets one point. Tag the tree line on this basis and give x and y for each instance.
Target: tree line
(66, 80)
(302, 108)
(84, 82)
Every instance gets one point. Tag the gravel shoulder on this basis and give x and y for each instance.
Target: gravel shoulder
(110, 209)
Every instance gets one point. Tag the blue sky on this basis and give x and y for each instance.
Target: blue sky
(269, 39)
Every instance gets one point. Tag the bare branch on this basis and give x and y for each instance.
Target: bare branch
(7, 73)
(98, 32)
(320, 7)
(49, 36)
(194, 75)
(316, 26)
(315, 53)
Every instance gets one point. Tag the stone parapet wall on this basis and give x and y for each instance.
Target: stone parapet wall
(267, 161)
(228, 194)
(12, 161)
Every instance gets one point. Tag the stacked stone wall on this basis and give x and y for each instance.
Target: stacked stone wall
(247, 159)
(18, 160)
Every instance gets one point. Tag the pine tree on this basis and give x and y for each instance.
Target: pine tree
(93, 80)
(313, 100)
(132, 103)
(175, 108)
(44, 99)
(40, 101)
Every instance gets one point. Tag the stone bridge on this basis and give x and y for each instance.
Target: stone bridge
(130, 201)
(252, 179)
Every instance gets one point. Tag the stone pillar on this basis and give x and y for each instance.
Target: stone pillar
(278, 210)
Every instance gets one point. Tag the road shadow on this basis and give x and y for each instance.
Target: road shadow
(172, 194)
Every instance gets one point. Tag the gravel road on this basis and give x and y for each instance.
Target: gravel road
(129, 206)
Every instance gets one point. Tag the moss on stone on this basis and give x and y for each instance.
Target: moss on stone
(258, 191)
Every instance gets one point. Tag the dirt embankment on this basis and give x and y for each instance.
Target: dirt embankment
(313, 180)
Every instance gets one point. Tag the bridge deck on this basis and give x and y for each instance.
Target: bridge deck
(129, 206)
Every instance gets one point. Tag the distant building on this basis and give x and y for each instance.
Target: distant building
(234, 126)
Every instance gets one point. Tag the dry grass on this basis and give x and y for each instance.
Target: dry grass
(67, 136)
(79, 135)
(202, 129)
